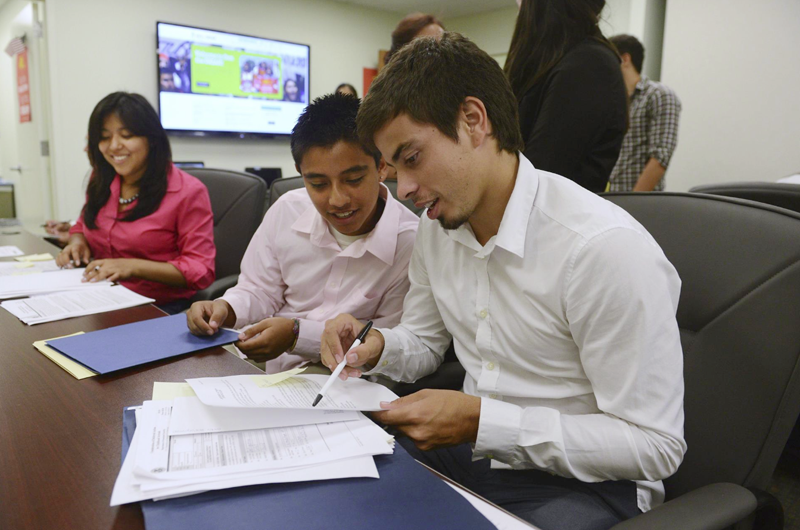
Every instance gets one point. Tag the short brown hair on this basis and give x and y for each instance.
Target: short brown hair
(407, 29)
(429, 80)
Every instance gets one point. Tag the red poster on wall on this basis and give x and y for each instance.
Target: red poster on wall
(23, 88)
(369, 75)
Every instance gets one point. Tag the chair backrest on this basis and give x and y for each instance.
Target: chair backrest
(281, 186)
(237, 202)
(774, 193)
(739, 319)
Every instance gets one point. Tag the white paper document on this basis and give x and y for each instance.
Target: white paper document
(191, 416)
(297, 392)
(69, 304)
(158, 465)
(13, 268)
(7, 251)
(28, 285)
(190, 456)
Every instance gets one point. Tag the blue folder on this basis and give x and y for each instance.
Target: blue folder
(112, 349)
(406, 496)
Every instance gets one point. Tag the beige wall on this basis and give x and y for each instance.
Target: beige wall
(735, 64)
(99, 46)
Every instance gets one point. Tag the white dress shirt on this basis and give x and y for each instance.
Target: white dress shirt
(565, 324)
(294, 268)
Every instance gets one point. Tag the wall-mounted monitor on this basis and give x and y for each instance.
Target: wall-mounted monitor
(218, 83)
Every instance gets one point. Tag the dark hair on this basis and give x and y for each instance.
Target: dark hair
(140, 119)
(407, 29)
(349, 87)
(630, 45)
(545, 31)
(326, 121)
(429, 80)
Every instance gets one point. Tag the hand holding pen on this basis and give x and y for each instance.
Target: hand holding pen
(338, 370)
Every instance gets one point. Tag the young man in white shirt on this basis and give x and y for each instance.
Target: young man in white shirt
(341, 244)
(561, 307)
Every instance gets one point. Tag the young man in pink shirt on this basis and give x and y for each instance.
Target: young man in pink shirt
(341, 245)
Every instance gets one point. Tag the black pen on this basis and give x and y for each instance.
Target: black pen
(356, 343)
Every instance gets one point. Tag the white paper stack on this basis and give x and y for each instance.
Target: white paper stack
(16, 268)
(10, 250)
(182, 447)
(98, 298)
(35, 284)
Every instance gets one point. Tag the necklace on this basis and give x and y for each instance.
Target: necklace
(128, 201)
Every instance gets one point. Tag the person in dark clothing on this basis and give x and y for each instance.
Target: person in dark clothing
(572, 99)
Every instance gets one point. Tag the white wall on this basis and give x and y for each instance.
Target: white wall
(491, 31)
(735, 64)
(9, 112)
(100, 46)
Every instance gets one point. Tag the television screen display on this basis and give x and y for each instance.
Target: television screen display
(212, 82)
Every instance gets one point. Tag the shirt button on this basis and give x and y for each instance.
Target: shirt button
(490, 366)
(385, 363)
(484, 313)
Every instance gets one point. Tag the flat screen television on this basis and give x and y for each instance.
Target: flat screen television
(226, 84)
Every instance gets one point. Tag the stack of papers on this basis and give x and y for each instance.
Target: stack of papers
(10, 250)
(184, 446)
(9, 268)
(62, 280)
(96, 298)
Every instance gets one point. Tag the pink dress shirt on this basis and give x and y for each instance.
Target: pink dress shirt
(294, 268)
(179, 232)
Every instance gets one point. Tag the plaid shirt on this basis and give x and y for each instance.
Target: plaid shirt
(652, 133)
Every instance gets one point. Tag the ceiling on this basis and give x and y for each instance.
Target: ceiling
(443, 9)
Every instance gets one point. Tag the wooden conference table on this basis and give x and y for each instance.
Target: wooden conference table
(60, 437)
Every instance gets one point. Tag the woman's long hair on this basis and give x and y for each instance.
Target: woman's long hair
(407, 29)
(140, 119)
(545, 31)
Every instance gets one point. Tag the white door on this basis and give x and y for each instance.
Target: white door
(28, 167)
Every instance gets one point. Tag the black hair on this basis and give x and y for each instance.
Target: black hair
(326, 121)
(630, 45)
(546, 30)
(141, 119)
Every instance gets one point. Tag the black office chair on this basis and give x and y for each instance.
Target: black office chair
(281, 186)
(774, 193)
(237, 202)
(739, 262)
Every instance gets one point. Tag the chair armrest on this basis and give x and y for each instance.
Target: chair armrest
(712, 507)
(216, 289)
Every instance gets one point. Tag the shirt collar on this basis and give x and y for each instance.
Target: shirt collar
(642, 83)
(514, 226)
(381, 242)
(174, 179)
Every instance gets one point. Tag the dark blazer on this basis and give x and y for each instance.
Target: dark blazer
(574, 120)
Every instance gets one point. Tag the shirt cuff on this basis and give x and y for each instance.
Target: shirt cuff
(308, 341)
(498, 430)
(387, 363)
(240, 307)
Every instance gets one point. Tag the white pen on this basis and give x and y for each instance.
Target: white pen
(340, 367)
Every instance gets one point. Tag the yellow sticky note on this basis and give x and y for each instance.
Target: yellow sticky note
(23, 265)
(266, 380)
(77, 370)
(35, 257)
(169, 391)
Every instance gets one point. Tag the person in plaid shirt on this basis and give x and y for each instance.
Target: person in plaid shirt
(653, 130)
